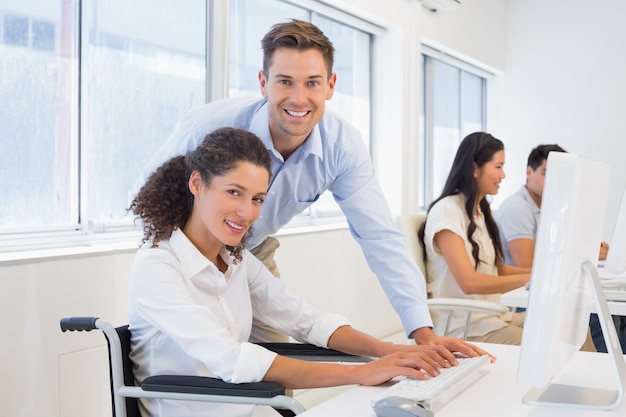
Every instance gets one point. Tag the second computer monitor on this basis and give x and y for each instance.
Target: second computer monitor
(561, 288)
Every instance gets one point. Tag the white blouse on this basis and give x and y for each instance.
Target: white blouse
(449, 214)
(187, 318)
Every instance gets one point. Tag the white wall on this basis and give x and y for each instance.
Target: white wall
(35, 355)
(563, 82)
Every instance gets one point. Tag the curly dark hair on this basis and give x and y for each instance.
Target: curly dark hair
(164, 203)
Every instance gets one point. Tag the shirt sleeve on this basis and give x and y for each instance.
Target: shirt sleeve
(516, 221)
(361, 199)
(444, 215)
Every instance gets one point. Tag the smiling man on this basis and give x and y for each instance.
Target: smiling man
(314, 150)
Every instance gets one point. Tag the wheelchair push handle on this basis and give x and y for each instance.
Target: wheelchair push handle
(78, 324)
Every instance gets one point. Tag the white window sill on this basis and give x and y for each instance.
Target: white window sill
(81, 244)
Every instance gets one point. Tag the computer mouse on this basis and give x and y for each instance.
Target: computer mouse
(400, 407)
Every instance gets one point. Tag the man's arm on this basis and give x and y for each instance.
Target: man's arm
(522, 251)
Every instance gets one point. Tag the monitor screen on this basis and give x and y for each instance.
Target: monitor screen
(561, 291)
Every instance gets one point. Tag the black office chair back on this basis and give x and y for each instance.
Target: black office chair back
(132, 404)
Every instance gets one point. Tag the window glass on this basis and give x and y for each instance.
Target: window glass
(43, 35)
(472, 92)
(143, 67)
(84, 124)
(453, 106)
(446, 114)
(15, 30)
(38, 146)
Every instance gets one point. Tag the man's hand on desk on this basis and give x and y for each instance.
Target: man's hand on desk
(604, 251)
(426, 337)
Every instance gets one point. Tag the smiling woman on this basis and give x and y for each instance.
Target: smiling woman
(229, 170)
(225, 208)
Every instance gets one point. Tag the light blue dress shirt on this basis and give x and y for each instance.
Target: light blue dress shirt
(333, 158)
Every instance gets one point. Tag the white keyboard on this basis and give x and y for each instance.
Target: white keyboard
(436, 392)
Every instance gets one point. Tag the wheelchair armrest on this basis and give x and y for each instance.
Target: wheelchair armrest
(211, 386)
(467, 305)
(309, 352)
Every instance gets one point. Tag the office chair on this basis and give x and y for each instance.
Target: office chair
(125, 394)
(409, 225)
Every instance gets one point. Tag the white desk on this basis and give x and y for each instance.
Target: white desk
(519, 298)
(496, 394)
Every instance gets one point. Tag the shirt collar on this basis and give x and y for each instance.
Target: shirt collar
(260, 127)
(192, 261)
(529, 198)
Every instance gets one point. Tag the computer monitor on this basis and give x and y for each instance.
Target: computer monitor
(564, 285)
(616, 258)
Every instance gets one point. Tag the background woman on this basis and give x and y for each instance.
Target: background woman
(464, 256)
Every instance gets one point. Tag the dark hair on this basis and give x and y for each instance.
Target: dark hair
(164, 203)
(475, 150)
(540, 154)
(300, 35)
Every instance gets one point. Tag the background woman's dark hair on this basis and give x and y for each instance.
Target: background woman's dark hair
(164, 203)
(477, 148)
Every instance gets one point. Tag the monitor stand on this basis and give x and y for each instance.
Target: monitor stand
(585, 397)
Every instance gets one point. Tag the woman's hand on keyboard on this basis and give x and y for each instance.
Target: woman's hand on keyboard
(417, 364)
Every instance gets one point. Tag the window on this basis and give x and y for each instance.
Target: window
(83, 122)
(92, 88)
(43, 35)
(141, 71)
(453, 105)
(15, 30)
